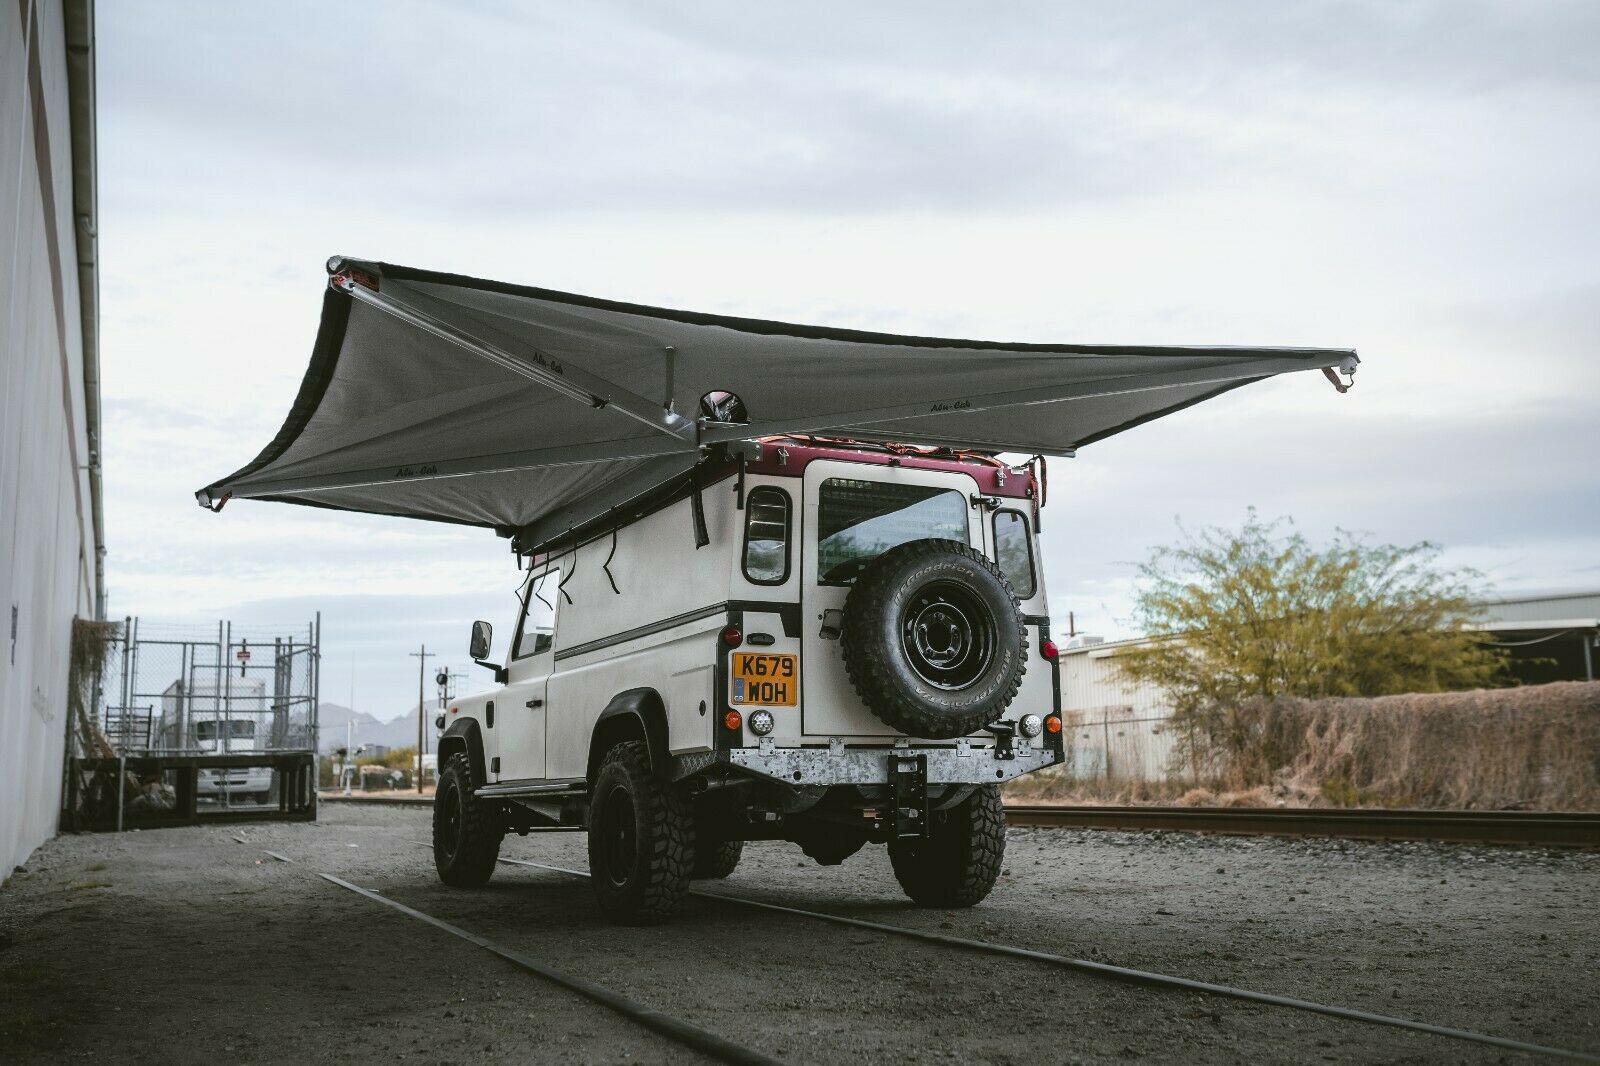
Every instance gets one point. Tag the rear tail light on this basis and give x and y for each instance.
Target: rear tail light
(1049, 650)
(761, 722)
(1052, 724)
(732, 637)
(733, 720)
(1030, 725)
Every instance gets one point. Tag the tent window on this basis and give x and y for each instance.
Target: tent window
(1013, 551)
(537, 631)
(857, 521)
(766, 536)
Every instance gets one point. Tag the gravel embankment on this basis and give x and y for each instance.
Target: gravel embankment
(185, 945)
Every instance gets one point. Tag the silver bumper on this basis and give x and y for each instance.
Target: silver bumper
(870, 766)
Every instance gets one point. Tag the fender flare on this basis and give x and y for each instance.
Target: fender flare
(638, 709)
(465, 734)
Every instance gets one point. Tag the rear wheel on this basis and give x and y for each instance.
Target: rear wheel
(959, 862)
(641, 839)
(716, 859)
(466, 830)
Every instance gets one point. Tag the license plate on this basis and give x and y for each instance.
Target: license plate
(765, 679)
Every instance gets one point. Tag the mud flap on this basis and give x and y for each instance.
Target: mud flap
(908, 795)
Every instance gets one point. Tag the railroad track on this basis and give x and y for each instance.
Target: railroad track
(1549, 829)
(724, 1050)
(1560, 829)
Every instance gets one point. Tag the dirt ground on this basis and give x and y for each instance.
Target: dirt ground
(187, 946)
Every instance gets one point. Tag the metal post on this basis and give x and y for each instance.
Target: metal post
(1105, 724)
(422, 705)
(122, 777)
(314, 667)
(1588, 656)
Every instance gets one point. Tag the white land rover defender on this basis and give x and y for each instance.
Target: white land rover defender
(734, 628)
(819, 641)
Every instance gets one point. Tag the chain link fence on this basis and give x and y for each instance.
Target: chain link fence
(195, 718)
(192, 690)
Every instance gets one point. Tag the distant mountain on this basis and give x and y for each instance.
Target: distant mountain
(396, 733)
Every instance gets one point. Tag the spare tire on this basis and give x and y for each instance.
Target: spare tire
(932, 639)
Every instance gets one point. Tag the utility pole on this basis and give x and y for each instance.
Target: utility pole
(422, 658)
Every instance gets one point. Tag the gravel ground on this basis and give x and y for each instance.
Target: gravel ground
(185, 945)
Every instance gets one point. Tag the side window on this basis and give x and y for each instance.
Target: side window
(766, 536)
(538, 629)
(1013, 551)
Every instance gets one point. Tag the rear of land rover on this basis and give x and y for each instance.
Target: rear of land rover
(816, 518)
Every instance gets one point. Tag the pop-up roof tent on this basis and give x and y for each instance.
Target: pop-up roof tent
(530, 411)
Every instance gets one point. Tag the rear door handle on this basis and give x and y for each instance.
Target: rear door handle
(535, 703)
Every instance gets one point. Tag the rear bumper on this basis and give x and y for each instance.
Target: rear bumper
(870, 766)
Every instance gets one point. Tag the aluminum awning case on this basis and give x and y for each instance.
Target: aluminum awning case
(455, 399)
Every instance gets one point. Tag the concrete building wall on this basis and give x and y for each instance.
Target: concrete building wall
(47, 516)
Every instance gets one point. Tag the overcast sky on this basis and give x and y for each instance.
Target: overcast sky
(1417, 181)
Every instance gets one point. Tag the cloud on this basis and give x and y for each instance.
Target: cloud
(1412, 180)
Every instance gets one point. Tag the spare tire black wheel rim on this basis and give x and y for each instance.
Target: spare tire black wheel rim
(618, 837)
(948, 635)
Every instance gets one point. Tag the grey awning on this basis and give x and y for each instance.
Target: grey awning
(454, 399)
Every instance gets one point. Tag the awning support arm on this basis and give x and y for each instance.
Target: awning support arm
(532, 459)
(569, 381)
(843, 421)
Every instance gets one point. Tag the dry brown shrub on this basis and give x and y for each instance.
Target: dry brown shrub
(1536, 747)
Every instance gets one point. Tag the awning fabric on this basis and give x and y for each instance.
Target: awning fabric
(454, 399)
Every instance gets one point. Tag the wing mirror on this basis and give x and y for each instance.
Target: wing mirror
(478, 649)
(482, 638)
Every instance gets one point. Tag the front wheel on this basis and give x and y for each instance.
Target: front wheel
(958, 863)
(466, 830)
(641, 839)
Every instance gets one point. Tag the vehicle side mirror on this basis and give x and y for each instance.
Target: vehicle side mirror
(478, 649)
(482, 638)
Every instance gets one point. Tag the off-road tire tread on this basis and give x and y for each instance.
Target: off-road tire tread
(713, 860)
(865, 660)
(959, 867)
(671, 826)
(481, 830)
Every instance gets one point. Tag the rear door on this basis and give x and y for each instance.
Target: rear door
(851, 517)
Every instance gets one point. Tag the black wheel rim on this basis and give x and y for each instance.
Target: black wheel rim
(618, 840)
(450, 830)
(948, 635)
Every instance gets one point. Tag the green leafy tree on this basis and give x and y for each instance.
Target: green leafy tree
(1261, 612)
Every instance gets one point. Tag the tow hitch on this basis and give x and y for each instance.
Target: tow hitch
(908, 796)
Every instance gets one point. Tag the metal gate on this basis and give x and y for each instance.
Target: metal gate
(193, 721)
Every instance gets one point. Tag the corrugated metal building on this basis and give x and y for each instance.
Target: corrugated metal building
(1118, 726)
(1552, 636)
(51, 526)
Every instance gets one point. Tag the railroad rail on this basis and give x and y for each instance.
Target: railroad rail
(1123, 974)
(1547, 829)
(1557, 829)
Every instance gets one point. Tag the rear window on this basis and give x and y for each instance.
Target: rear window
(857, 521)
(1013, 551)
